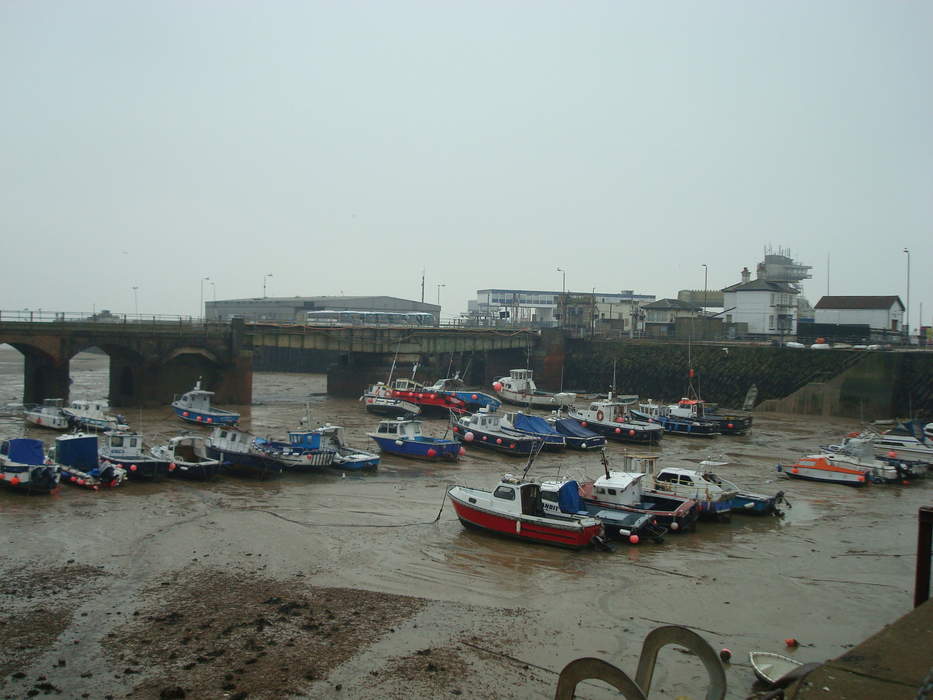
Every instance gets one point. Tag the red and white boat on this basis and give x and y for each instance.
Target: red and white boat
(820, 468)
(428, 399)
(514, 509)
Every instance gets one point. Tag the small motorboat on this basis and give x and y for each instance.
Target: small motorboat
(93, 415)
(187, 457)
(819, 468)
(24, 466)
(533, 426)
(125, 449)
(519, 389)
(610, 417)
(651, 412)
(238, 453)
(304, 451)
(728, 423)
(577, 436)
(472, 398)
(378, 400)
(483, 429)
(769, 667)
(428, 399)
(78, 457)
(345, 456)
(404, 438)
(907, 438)
(714, 496)
(859, 452)
(195, 407)
(514, 509)
(50, 415)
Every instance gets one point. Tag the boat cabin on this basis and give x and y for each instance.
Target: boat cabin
(691, 484)
(688, 408)
(197, 399)
(403, 384)
(619, 488)
(518, 497)
(304, 439)
(483, 420)
(231, 439)
(611, 410)
(89, 408)
(188, 448)
(410, 429)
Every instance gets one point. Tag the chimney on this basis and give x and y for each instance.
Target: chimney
(746, 275)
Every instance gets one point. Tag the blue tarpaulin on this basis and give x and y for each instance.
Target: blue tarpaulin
(26, 451)
(79, 452)
(568, 497)
(533, 424)
(572, 427)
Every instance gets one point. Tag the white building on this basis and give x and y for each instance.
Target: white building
(768, 307)
(878, 313)
(540, 308)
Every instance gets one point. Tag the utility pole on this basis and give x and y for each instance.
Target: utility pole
(422, 285)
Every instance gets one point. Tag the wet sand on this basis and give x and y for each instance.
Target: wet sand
(333, 585)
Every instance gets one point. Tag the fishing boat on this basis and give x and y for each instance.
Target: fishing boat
(403, 437)
(79, 461)
(714, 497)
(519, 389)
(907, 439)
(50, 415)
(195, 407)
(427, 399)
(651, 412)
(819, 468)
(378, 400)
(473, 399)
(93, 415)
(727, 423)
(610, 418)
(619, 490)
(745, 502)
(563, 496)
(238, 454)
(187, 457)
(483, 429)
(345, 456)
(533, 426)
(769, 667)
(125, 449)
(859, 453)
(514, 509)
(24, 467)
(578, 437)
(303, 451)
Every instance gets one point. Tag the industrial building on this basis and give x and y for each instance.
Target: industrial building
(295, 309)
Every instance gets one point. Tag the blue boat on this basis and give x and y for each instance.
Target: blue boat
(473, 399)
(23, 466)
(533, 426)
(238, 453)
(302, 452)
(195, 407)
(404, 438)
(650, 412)
(483, 429)
(125, 449)
(578, 437)
(79, 459)
(346, 456)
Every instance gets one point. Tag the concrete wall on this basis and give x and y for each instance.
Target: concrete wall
(875, 318)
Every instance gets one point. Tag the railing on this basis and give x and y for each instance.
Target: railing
(40, 316)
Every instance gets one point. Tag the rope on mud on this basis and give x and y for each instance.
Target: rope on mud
(364, 525)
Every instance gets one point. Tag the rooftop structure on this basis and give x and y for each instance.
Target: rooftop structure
(294, 309)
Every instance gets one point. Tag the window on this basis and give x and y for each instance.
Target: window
(600, 490)
(549, 496)
(504, 492)
(612, 492)
(116, 442)
(771, 322)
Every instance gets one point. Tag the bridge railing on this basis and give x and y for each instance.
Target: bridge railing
(106, 318)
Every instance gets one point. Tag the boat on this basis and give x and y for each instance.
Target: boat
(473, 399)
(49, 414)
(519, 389)
(620, 490)
(651, 412)
(378, 400)
(514, 509)
(819, 468)
(769, 667)
(859, 453)
(79, 460)
(563, 496)
(483, 429)
(578, 437)
(403, 437)
(533, 426)
(907, 438)
(609, 417)
(125, 449)
(714, 497)
(345, 456)
(24, 467)
(429, 400)
(93, 415)
(238, 454)
(728, 423)
(187, 457)
(195, 407)
(745, 502)
(303, 451)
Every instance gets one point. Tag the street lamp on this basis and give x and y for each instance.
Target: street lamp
(136, 301)
(705, 271)
(907, 325)
(439, 285)
(201, 307)
(563, 284)
(563, 293)
(213, 291)
(264, 278)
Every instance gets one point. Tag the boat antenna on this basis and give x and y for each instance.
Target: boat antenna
(414, 370)
(394, 360)
(612, 387)
(539, 444)
(450, 364)
(604, 459)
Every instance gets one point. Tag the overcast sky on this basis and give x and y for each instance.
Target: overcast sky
(345, 146)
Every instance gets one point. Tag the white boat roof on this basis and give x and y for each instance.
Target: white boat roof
(619, 480)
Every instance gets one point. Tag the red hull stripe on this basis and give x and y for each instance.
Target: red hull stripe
(576, 538)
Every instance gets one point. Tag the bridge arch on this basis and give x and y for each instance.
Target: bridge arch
(44, 373)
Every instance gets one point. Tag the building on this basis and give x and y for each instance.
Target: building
(769, 308)
(526, 307)
(294, 309)
(878, 313)
(661, 316)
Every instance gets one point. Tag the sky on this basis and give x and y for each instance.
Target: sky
(352, 147)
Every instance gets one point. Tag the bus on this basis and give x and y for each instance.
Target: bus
(348, 319)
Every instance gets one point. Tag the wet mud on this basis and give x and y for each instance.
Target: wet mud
(361, 586)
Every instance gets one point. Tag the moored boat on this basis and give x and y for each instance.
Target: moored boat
(404, 438)
(519, 389)
(473, 399)
(819, 468)
(345, 456)
(302, 452)
(483, 429)
(125, 449)
(195, 407)
(578, 437)
(378, 400)
(514, 509)
(651, 412)
(187, 457)
(238, 454)
(727, 423)
(50, 415)
(24, 466)
(93, 415)
(532, 426)
(610, 418)
(429, 400)
(79, 460)
(714, 497)
(859, 453)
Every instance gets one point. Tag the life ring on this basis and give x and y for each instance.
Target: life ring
(599, 415)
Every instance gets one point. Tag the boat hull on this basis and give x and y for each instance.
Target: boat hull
(38, 479)
(504, 443)
(538, 399)
(206, 418)
(246, 463)
(140, 469)
(433, 449)
(680, 426)
(753, 504)
(835, 475)
(627, 432)
(51, 422)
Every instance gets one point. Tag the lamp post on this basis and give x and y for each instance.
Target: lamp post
(201, 307)
(705, 271)
(264, 278)
(136, 301)
(213, 291)
(907, 324)
(563, 284)
(439, 285)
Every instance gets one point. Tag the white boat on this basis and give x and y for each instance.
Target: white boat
(519, 388)
(907, 439)
(49, 415)
(195, 407)
(819, 468)
(714, 496)
(25, 467)
(770, 667)
(860, 453)
(125, 449)
(93, 415)
(609, 418)
(345, 456)
(187, 457)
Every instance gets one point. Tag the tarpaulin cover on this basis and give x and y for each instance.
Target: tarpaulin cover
(533, 424)
(572, 427)
(568, 497)
(77, 452)
(26, 451)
